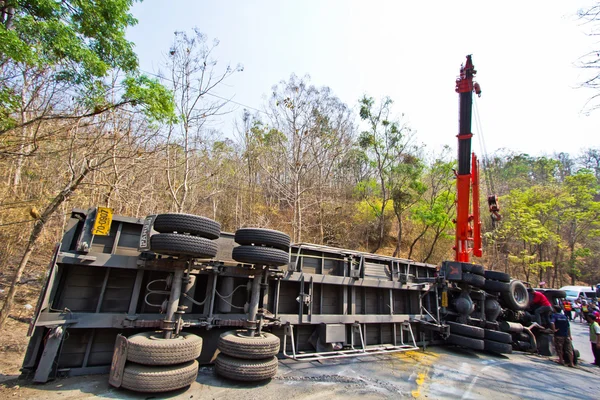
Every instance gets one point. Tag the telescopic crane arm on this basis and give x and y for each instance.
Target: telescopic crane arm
(468, 224)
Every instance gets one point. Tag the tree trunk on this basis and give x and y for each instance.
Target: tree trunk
(414, 242)
(37, 230)
(399, 241)
(572, 263)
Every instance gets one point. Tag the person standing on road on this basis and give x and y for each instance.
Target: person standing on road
(594, 337)
(568, 309)
(577, 308)
(563, 340)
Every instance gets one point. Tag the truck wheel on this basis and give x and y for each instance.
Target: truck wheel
(187, 223)
(262, 237)
(150, 348)
(260, 255)
(142, 378)
(497, 347)
(245, 370)
(466, 330)
(471, 343)
(497, 276)
(516, 298)
(175, 244)
(495, 286)
(236, 344)
(473, 268)
(498, 336)
(472, 279)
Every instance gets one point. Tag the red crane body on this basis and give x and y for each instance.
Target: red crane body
(468, 224)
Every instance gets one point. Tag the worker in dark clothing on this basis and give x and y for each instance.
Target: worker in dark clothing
(540, 307)
(559, 323)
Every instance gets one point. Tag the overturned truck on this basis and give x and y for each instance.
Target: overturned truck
(154, 297)
(149, 299)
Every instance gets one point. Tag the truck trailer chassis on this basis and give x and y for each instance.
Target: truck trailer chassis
(325, 303)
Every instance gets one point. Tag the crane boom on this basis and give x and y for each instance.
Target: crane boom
(468, 225)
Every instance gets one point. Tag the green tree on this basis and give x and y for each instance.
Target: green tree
(406, 190)
(64, 66)
(522, 232)
(581, 212)
(434, 212)
(385, 143)
(80, 42)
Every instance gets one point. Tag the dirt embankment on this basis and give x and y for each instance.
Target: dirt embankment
(13, 338)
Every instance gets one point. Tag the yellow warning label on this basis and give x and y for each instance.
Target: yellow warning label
(103, 220)
(444, 299)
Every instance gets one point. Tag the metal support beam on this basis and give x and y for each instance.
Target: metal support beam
(253, 308)
(135, 295)
(102, 290)
(173, 303)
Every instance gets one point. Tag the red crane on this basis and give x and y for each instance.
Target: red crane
(468, 225)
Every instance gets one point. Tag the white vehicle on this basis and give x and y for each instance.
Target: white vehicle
(579, 292)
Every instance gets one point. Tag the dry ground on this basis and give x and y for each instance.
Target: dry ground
(13, 337)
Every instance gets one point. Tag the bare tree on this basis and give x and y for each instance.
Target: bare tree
(193, 76)
(86, 146)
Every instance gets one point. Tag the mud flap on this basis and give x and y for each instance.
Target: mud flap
(47, 361)
(117, 366)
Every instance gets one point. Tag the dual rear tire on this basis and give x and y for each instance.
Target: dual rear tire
(155, 364)
(477, 338)
(185, 235)
(261, 247)
(245, 358)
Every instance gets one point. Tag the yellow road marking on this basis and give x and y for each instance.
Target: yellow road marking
(422, 363)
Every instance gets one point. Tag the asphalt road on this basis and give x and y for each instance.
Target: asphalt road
(581, 341)
(439, 373)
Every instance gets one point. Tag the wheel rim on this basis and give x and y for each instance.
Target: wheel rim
(521, 296)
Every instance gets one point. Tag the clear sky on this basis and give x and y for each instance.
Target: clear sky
(525, 53)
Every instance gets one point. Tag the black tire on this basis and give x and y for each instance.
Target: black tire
(516, 298)
(236, 344)
(245, 370)
(472, 279)
(497, 347)
(142, 378)
(473, 268)
(175, 244)
(260, 255)
(150, 348)
(187, 223)
(498, 336)
(466, 330)
(471, 343)
(495, 286)
(522, 345)
(262, 237)
(497, 276)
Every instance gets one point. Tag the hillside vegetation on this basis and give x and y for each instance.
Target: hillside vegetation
(80, 126)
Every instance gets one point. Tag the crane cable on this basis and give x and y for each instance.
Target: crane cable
(489, 180)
